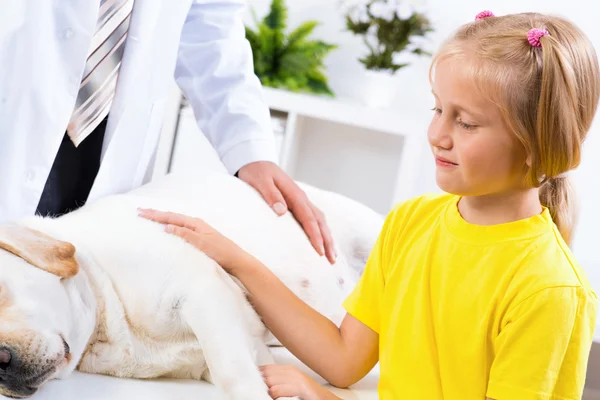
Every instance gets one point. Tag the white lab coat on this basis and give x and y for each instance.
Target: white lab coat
(43, 49)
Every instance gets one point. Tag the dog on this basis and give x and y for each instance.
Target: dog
(104, 291)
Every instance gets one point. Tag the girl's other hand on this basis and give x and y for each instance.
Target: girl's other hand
(288, 381)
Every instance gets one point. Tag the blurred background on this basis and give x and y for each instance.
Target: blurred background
(362, 143)
(341, 125)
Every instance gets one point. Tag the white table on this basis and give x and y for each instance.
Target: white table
(81, 386)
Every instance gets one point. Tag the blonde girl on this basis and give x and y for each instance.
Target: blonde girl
(473, 294)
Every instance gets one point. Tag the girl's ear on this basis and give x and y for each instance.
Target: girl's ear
(528, 160)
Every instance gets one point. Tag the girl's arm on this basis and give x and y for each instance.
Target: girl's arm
(342, 355)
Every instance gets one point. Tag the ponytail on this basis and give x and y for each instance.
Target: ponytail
(559, 133)
(558, 195)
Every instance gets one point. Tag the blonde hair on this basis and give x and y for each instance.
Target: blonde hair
(547, 95)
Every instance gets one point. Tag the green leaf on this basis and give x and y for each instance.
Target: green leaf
(420, 52)
(358, 28)
(318, 83)
(288, 61)
(301, 32)
(391, 37)
(315, 49)
(276, 21)
(295, 63)
(267, 45)
(396, 67)
(252, 37)
(277, 17)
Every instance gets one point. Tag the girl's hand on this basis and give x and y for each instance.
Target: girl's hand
(288, 381)
(201, 235)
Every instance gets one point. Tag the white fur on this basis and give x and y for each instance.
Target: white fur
(146, 304)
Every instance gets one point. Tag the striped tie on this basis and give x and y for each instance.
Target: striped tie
(97, 87)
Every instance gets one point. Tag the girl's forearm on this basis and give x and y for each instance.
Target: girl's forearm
(310, 336)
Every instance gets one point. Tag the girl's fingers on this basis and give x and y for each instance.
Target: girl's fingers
(186, 234)
(284, 390)
(169, 218)
(276, 375)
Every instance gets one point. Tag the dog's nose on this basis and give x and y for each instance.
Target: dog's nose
(11, 375)
(5, 359)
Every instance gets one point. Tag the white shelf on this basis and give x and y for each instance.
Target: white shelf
(339, 144)
(345, 111)
(336, 144)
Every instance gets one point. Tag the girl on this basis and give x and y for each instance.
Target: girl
(474, 293)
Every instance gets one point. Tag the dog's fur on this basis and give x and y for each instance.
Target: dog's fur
(133, 301)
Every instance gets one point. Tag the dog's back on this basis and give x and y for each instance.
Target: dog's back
(150, 272)
(239, 212)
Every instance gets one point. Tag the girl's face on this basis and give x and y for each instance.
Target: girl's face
(475, 152)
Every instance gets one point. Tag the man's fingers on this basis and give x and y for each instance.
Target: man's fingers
(328, 242)
(304, 214)
(300, 206)
(272, 195)
(282, 193)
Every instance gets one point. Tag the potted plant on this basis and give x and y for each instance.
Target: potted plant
(389, 28)
(289, 61)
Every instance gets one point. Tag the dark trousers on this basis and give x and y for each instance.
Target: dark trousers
(72, 174)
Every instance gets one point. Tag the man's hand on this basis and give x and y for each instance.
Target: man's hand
(282, 194)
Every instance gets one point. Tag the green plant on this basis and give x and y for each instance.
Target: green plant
(387, 28)
(288, 61)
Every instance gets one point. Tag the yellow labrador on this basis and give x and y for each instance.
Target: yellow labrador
(107, 292)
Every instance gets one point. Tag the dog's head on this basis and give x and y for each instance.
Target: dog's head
(36, 317)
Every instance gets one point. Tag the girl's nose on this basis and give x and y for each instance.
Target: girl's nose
(439, 133)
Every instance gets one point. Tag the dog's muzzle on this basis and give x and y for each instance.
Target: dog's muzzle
(16, 379)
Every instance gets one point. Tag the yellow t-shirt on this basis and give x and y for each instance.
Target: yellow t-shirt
(465, 311)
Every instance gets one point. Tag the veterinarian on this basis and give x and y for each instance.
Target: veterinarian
(83, 88)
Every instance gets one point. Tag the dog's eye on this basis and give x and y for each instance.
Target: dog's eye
(67, 348)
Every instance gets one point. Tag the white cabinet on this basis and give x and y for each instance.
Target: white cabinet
(366, 154)
(370, 155)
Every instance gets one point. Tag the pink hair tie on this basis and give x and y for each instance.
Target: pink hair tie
(534, 35)
(484, 14)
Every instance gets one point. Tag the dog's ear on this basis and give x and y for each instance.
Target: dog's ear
(40, 250)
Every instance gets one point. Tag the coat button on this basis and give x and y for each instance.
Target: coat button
(29, 176)
(66, 33)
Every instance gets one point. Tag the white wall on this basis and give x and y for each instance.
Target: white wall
(343, 69)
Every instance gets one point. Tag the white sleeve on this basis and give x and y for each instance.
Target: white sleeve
(216, 74)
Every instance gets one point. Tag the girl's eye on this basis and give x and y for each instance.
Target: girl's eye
(437, 110)
(466, 126)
